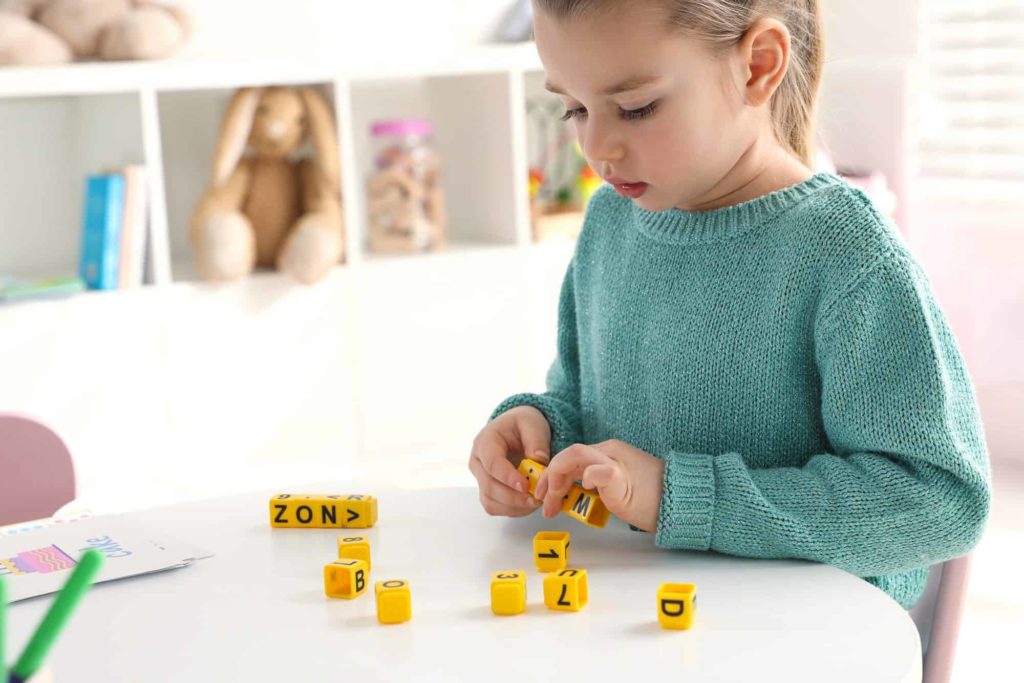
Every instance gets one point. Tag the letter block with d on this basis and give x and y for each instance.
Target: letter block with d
(676, 605)
(566, 590)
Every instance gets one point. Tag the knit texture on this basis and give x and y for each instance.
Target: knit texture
(787, 359)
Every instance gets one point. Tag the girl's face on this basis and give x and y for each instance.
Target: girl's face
(657, 114)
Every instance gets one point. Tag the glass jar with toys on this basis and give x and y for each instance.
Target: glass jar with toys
(406, 203)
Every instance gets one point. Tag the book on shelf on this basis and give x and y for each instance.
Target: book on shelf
(115, 229)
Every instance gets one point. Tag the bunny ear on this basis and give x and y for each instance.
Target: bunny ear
(234, 133)
(322, 135)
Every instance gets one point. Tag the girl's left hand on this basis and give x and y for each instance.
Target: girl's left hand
(628, 480)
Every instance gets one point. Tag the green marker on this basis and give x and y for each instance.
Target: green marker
(67, 600)
(3, 631)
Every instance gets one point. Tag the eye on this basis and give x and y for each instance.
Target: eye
(576, 113)
(638, 114)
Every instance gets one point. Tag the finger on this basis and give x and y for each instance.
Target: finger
(600, 477)
(497, 491)
(491, 449)
(564, 470)
(535, 435)
(498, 508)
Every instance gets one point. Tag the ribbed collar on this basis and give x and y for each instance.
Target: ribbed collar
(690, 227)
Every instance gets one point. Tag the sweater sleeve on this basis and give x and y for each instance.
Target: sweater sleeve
(907, 484)
(561, 402)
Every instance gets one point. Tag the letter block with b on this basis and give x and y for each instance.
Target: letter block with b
(566, 590)
(345, 578)
(676, 605)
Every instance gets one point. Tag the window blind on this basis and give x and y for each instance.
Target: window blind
(972, 89)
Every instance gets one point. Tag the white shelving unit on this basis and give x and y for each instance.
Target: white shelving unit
(57, 124)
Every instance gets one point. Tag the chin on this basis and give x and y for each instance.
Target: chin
(651, 203)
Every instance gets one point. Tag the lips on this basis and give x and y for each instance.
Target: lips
(627, 188)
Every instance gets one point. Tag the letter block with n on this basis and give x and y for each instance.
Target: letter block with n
(676, 605)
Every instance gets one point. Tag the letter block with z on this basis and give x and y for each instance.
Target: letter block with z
(551, 550)
(586, 506)
(355, 548)
(566, 590)
(322, 511)
(394, 602)
(345, 578)
(676, 605)
(508, 592)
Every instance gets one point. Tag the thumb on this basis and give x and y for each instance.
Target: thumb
(535, 437)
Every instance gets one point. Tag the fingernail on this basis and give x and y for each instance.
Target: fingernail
(519, 487)
(541, 454)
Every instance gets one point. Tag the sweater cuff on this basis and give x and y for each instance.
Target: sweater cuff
(687, 502)
(564, 430)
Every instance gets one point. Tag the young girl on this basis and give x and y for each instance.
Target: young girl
(749, 360)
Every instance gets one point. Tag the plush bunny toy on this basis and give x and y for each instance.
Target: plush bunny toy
(267, 208)
(57, 31)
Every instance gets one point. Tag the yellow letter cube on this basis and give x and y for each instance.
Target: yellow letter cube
(508, 592)
(345, 578)
(585, 506)
(532, 471)
(676, 605)
(551, 550)
(355, 548)
(566, 590)
(394, 602)
(322, 511)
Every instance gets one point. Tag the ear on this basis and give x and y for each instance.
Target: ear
(322, 135)
(765, 50)
(234, 133)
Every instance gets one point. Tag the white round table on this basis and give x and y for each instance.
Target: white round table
(257, 612)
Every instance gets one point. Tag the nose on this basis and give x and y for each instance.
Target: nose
(600, 142)
(276, 129)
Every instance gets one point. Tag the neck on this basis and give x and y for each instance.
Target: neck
(764, 167)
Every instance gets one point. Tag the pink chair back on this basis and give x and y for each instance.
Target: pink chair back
(938, 616)
(37, 477)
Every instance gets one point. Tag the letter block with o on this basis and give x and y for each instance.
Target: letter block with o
(566, 590)
(394, 601)
(551, 550)
(508, 592)
(676, 605)
(345, 578)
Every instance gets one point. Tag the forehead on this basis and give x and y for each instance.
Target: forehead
(589, 54)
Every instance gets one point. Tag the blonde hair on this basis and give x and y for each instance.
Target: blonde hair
(723, 23)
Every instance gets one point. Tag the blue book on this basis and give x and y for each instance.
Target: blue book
(102, 220)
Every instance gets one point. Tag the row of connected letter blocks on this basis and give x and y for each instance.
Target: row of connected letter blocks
(565, 588)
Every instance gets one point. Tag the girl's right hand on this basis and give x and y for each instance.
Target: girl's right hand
(497, 451)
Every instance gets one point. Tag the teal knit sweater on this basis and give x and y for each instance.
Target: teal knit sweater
(787, 359)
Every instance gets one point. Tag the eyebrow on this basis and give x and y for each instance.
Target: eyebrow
(632, 83)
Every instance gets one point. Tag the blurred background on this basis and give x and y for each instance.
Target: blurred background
(452, 195)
